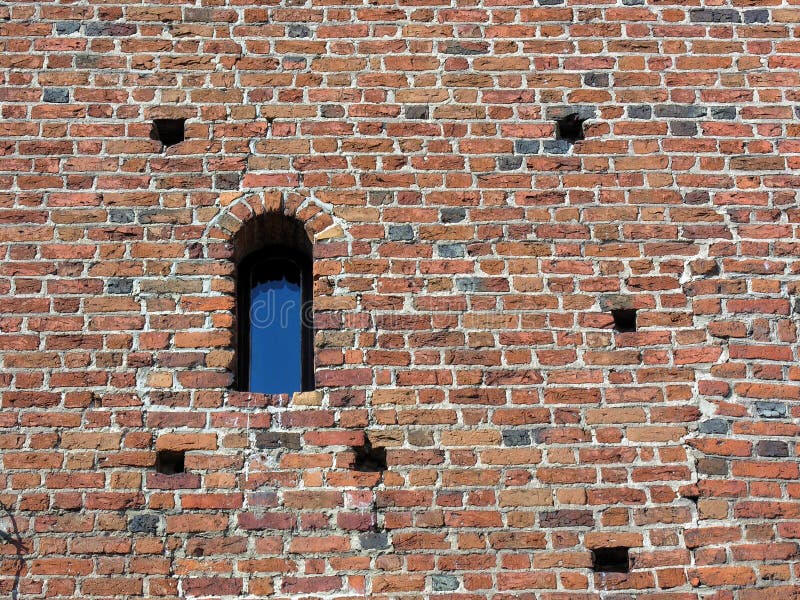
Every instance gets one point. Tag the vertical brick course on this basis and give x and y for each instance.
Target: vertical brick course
(466, 266)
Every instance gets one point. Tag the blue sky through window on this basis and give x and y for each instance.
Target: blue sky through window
(276, 337)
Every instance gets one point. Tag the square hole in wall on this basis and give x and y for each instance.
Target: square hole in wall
(169, 131)
(369, 459)
(611, 560)
(170, 462)
(624, 319)
(570, 128)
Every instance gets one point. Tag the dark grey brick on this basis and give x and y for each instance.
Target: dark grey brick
(597, 80)
(551, 2)
(509, 163)
(299, 31)
(714, 426)
(471, 284)
(640, 111)
(332, 111)
(465, 48)
(451, 250)
(556, 146)
(227, 181)
(418, 111)
(274, 439)
(121, 215)
(453, 215)
(715, 15)
(526, 146)
(759, 15)
(584, 111)
(697, 197)
(723, 113)
(120, 286)
(772, 448)
(444, 583)
(680, 111)
(771, 410)
(712, 466)
(374, 540)
(146, 523)
(67, 27)
(683, 128)
(633, 2)
(566, 518)
(401, 233)
(516, 437)
(109, 29)
(56, 95)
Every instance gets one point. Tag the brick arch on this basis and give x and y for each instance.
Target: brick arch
(237, 208)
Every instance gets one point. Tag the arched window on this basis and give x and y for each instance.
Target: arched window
(274, 307)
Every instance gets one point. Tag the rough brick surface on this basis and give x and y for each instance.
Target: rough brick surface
(466, 263)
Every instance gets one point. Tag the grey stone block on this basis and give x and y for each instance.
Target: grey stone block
(516, 437)
(723, 113)
(714, 426)
(680, 111)
(67, 27)
(374, 540)
(715, 15)
(640, 111)
(597, 80)
(773, 448)
(771, 410)
(453, 215)
(526, 146)
(584, 111)
(120, 286)
(509, 163)
(759, 15)
(121, 215)
(146, 523)
(56, 95)
(451, 250)
(299, 31)
(556, 146)
(444, 583)
(401, 233)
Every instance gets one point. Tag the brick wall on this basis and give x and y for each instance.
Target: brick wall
(466, 265)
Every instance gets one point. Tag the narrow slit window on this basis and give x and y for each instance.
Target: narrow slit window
(275, 329)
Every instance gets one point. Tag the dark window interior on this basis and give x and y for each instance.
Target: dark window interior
(168, 131)
(624, 319)
(170, 462)
(275, 322)
(611, 560)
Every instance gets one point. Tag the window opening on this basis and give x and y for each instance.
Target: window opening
(275, 322)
